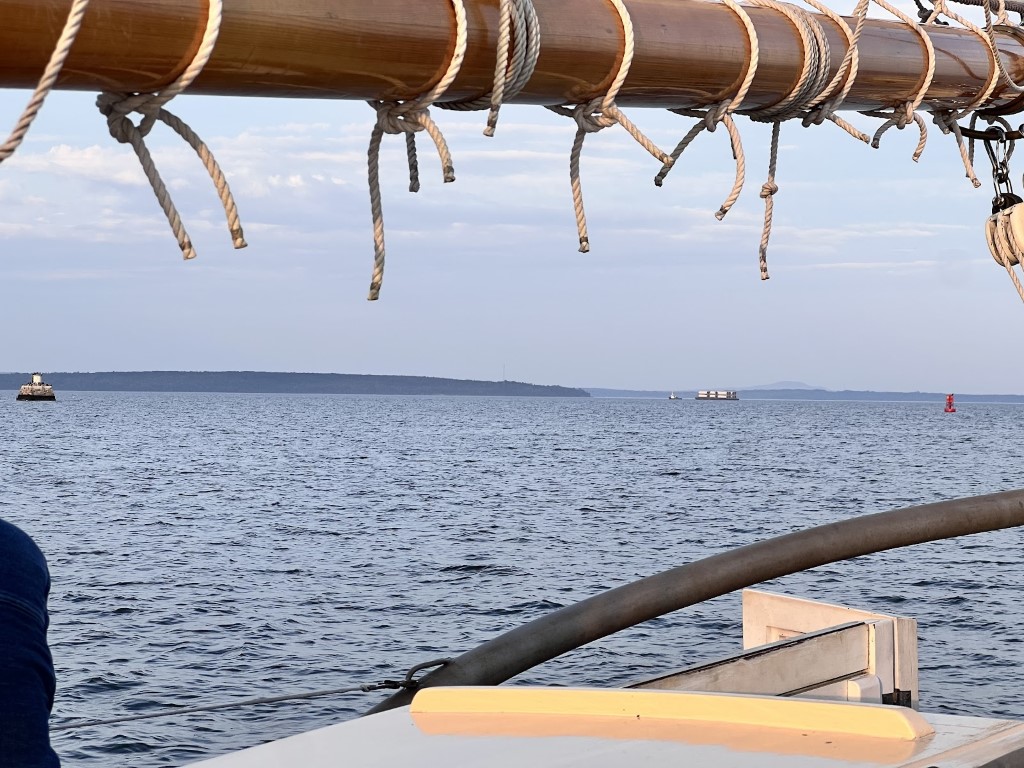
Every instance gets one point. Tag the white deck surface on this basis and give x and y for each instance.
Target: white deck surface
(499, 740)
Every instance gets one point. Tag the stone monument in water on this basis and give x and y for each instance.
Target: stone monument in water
(36, 389)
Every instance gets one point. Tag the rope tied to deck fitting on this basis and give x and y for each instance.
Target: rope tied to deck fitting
(515, 62)
(601, 113)
(48, 79)
(117, 107)
(409, 118)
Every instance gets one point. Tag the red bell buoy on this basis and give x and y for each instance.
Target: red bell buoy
(950, 408)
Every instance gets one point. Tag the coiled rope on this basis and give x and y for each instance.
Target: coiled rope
(600, 113)
(814, 98)
(48, 79)
(821, 103)
(1008, 254)
(116, 107)
(1001, 18)
(516, 60)
(809, 91)
(825, 106)
(409, 118)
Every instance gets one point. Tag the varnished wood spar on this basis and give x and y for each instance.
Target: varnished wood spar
(689, 52)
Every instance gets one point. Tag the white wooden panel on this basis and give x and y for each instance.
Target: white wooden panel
(782, 668)
(768, 617)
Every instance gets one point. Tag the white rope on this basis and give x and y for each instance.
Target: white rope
(48, 79)
(810, 87)
(828, 103)
(903, 114)
(515, 63)
(809, 90)
(819, 107)
(409, 118)
(722, 113)
(1004, 247)
(116, 107)
(814, 97)
(1001, 18)
(768, 191)
(600, 113)
(947, 119)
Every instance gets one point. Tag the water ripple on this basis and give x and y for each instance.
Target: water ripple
(211, 547)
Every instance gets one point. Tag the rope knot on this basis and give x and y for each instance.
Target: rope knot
(117, 107)
(394, 117)
(114, 106)
(945, 121)
(410, 117)
(768, 189)
(819, 114)
(590, 118)
(904, 115)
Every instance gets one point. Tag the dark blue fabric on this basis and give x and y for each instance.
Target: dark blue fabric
(27, 681)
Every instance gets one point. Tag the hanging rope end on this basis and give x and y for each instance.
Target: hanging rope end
(492, 123)
(584, 245)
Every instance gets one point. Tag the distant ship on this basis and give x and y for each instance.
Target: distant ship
(673, 396)
(717, 394)
(36, 389)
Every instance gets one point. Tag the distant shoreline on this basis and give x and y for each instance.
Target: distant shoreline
(273, 382)
(821, 395)
(258, 382)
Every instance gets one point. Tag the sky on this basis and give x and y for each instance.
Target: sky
(880, 275)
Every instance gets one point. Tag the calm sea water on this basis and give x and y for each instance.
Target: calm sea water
(211, 547)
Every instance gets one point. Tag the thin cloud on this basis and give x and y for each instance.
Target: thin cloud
(97, 163)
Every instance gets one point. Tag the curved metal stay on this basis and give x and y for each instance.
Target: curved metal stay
(573, 626)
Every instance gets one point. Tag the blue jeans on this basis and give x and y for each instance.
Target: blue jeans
(27, 680)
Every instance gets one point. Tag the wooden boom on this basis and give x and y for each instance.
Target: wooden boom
(689, 53)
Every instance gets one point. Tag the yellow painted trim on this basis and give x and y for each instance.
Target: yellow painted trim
(871, 720)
